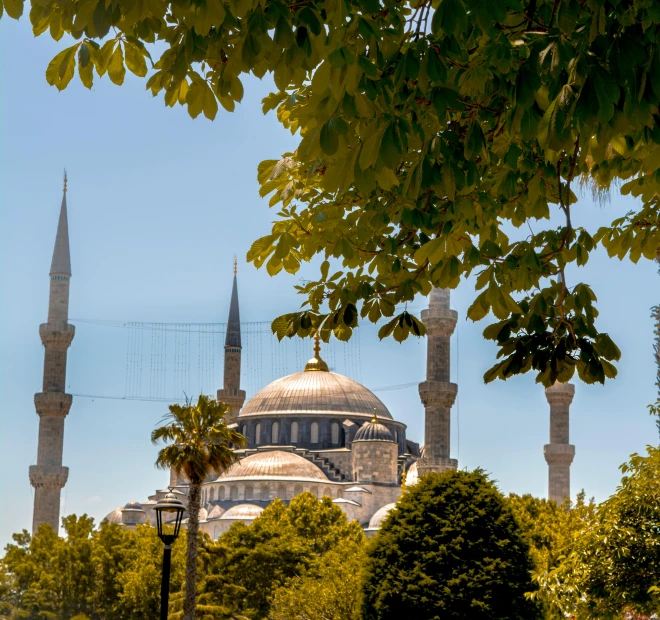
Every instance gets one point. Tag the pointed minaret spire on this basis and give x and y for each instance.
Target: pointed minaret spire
(48, 476)
(437, 393)
(231, 392)
(61, 263)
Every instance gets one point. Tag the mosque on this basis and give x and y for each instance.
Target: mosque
(314, 430)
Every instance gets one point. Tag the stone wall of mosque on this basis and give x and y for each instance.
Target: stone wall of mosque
(375, 461)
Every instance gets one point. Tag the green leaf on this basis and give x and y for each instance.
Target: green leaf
(386, 178)
(474, 141)
(61, 69)
(368, 67)
(135, 60)
(116, 69)
(449, 180)
(329, 138)
(370, 149)
(14, 8)
(85, 67)
(195, 98)
(210, 104)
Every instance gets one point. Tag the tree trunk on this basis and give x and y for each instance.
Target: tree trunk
(190, 599)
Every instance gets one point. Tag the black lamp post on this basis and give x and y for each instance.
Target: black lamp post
(169, 511)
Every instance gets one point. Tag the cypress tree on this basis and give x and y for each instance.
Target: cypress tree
(451, 549)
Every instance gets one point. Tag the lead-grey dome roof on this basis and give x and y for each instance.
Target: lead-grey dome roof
(326, 393)
(373, 431)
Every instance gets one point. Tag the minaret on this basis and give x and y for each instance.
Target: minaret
(437, 393)
(53, 404)
(231, 392)
(559, 453)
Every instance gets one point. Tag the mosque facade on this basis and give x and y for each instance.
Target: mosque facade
(314, 430)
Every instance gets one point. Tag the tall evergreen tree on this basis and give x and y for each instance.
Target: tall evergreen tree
(451, 549)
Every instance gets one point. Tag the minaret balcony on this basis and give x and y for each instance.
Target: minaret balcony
(53, 404)
(438, 393)
(559, 453)
(56, 335)
(560, 394)
(52, 476)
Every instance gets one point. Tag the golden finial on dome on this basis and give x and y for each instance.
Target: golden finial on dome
(65, 181)
(316, 363)
(374, 420)
(235, 265)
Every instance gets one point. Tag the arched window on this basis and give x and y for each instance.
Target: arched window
(275, 432)
(212, 494)
(396, 436)
(298, 489)
(257, 434)
(314, 491)
(327, 491)
(334, 433)
(264, 494)
(281, 493)
(233, 493)
(243, 429)
(221, 494)
(249, 493)
(315, 433)
(294, 432)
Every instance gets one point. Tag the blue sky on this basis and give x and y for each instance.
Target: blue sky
(158, 206)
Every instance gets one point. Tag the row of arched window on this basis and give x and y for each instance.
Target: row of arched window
(262, 493)
(294, 433)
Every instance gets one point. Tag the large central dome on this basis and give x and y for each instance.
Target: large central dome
(315, 392)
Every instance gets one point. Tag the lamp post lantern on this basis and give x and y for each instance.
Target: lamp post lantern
(169, 512)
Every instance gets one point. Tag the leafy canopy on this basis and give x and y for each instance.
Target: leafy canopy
(550, 530)
(105, 573)
(450, 549)
(282, 544)
(613, 565)
(436, 136)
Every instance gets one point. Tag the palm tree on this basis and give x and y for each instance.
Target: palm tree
(200, 442)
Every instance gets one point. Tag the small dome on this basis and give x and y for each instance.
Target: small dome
(133, 507)
(373, 431)
(114, 516)
(412, 475)
(243, 511)
(216, 513)
(379, 516)
(273, 464)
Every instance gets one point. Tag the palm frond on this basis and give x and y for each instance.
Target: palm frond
(199, 439)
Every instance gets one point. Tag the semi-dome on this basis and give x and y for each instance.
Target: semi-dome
(412, 475)
(373, 431)
(216, 513)
(273, 465)
(243, 511)
(313, 392)
(114, 516)
(379, 516)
